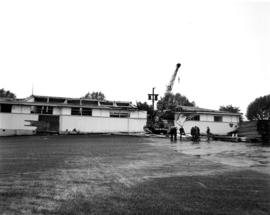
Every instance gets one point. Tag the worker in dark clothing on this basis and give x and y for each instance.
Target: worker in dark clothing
(208, 133)
(182, 132)
(195, 133)
(192, 132)
(173, 133)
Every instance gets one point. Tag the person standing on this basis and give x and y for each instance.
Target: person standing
(182, 132)
(173, 133)
(193, 133)
(208, 133)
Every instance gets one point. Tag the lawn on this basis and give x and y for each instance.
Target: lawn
(121, 175)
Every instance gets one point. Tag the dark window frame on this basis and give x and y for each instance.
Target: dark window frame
(76, 111)
(6, 108)
(218, 119)
(106, 103)
(86, 112)
(195, 118)
(119, 114)
(41, 99)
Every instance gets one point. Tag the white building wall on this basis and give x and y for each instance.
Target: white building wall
(210, 118)
(136, 125)
(26, 109)
(20, 109)
(65, 111)
(100, 112)
(229, 123)
(219, 128)
(138, 114)
(56, 111)
(16, 109)
(206, 118)
(235, 119)
(16, 124)
(100, 124)
(142, 114)
(227, 118)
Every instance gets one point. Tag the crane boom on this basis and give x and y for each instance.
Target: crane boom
(170, 86)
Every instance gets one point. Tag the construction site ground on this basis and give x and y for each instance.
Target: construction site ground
(108, 174)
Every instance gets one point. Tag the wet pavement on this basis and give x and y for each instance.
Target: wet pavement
(237, 154)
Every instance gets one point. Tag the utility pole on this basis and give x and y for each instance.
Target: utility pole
(153, 97)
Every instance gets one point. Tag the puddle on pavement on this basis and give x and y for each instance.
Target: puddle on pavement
(238, 154)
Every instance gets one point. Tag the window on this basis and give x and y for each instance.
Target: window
(57, 100)
(47, 110)
(74, 101)
(120, 114)
(218, 118)
(5, 108)
(122, 104)
(75, 111)
(124, 115)
(38, 109)
(90, 102)
(106, 103)
(41, 99)
(195, 118)
(86, 111)
(114, 114)
(42, 110)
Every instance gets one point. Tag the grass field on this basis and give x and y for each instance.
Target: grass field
(121, 175)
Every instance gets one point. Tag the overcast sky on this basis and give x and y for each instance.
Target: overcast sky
(124, 48)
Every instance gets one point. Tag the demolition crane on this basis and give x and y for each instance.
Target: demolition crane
(170, 85)
(156, 124)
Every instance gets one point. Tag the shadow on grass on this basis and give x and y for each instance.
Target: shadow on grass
(244, 192)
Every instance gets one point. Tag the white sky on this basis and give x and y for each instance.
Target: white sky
(124, 48)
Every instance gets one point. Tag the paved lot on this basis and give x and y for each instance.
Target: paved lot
(121, 175)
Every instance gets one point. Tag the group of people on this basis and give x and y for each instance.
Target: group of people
(173, 132)
(195, 133)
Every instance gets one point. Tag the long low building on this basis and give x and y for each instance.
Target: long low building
(38, 114)
(219, 122)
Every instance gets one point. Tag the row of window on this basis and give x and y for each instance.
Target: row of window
(42, 109)
(81, 111)
(216, 118)
(120, 114)
(6, 108)
(79, 101)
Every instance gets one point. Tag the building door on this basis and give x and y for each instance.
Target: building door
(48, 124)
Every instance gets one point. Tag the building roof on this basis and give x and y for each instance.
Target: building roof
(53, 101)
(189, 109)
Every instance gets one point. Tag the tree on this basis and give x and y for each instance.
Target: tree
(144, 106)
(231, 109)
(95, 95)
(171, 101)
(7, 94)
(259, 109)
